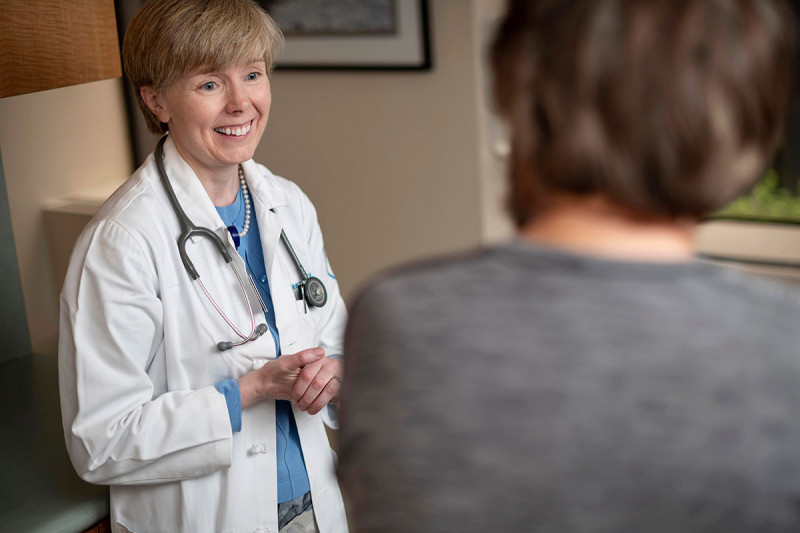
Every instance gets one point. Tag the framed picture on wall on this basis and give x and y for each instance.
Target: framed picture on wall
(352, 34)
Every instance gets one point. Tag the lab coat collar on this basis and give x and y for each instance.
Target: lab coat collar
(189, 190)
(195, 201)
(264, 187)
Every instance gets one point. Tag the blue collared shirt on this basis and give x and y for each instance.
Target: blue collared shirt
(292, 476)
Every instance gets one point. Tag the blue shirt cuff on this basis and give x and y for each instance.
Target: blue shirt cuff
(233, 397)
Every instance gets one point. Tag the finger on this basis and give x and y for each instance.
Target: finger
(306, 357)
(310, 382)
(322, 371)
(327, 396)
(305, 378)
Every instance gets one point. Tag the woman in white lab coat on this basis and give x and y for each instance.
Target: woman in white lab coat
(191, 436)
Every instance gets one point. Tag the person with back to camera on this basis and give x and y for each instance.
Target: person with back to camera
(194, 379)
(593, 375)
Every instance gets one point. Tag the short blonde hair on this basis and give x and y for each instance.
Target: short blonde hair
(169, 38)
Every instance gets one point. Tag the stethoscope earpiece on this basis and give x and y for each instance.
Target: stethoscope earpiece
(224, 346)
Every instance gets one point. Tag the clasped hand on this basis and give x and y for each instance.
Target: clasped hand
(307, 378)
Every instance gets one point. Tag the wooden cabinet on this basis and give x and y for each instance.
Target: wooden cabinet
(51, 43)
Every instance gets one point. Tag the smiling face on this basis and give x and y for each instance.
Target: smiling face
(216, 119)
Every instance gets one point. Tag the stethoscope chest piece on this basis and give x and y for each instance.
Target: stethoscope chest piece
(314, 292)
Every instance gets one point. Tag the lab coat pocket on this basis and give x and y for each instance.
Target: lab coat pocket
(307, 320)
(299, 333)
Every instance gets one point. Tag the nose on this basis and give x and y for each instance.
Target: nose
(238, 97)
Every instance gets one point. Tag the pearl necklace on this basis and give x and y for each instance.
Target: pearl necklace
(246, 195)
(237, 237)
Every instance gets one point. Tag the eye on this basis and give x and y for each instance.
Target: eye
(252, 76)
(208, 86)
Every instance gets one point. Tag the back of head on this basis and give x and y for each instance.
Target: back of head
(667, 108)
(169, 38)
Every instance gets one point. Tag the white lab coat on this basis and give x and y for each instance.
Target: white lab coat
(138, 358)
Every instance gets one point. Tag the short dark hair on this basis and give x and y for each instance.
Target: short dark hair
(669, 108)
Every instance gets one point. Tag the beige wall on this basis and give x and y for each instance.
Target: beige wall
(56, 142)
(388, 158)
(492, 148)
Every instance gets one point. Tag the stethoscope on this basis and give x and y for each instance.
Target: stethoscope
(312, 290)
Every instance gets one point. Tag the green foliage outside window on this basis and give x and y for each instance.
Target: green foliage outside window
(767, 201)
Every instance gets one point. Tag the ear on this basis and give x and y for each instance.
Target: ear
(155, 102)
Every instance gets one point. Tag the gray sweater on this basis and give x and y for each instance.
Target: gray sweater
(523, 389)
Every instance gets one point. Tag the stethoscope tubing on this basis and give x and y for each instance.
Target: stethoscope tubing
(188, 229)
(316, 296)
(296, 260)
(223, 315)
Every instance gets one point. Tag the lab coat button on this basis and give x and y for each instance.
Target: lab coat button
(258, 363)
(263, 278)
(256, 449)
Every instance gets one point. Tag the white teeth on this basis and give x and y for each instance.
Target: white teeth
(238, 132)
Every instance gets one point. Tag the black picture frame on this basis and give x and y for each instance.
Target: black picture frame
(408, 48)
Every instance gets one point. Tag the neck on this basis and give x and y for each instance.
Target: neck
(594, 226)
(222, 187)
(221, 184)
